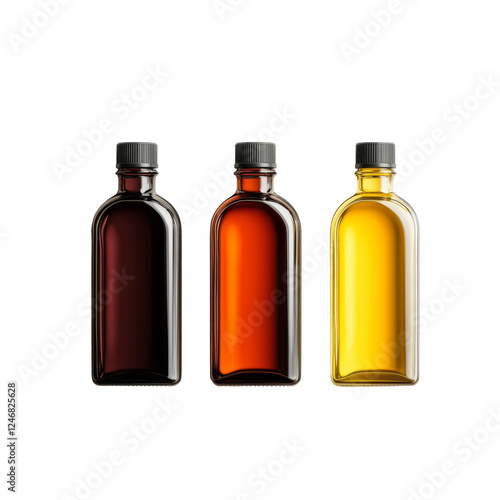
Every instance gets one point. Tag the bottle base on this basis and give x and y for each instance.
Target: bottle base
(135, 377)
(253, 377)
(374, 378)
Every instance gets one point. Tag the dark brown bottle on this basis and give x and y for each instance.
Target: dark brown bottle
(136, 278)
(255, 278)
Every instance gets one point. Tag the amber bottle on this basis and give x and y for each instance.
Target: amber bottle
(374, 278)
(136, 278)
(255, 278)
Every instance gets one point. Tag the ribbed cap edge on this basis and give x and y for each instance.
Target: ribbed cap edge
(375, 153)
(255, 153)
(137, 153)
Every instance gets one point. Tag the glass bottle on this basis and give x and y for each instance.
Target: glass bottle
(374, 278)
(255, 278)
(136, 278)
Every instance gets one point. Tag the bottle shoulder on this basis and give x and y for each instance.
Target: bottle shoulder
(167, 206)
(147, 206)
(387, 205)
(270, 203)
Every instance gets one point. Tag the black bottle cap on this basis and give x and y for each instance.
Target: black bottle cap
(375, 154)
(255, 154)
(137, 154)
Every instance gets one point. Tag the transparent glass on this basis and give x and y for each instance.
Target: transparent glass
(255, 285)
(136, 286)
(374, 285)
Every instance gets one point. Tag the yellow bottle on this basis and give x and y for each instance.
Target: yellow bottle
(374, 278)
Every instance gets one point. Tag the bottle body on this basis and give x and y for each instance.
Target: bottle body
(136, 288)
(374, 286)
(255, 286)
(255, 292)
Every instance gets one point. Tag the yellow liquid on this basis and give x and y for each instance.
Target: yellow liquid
(374, 286)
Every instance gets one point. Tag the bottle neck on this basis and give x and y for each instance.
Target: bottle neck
(136, 180)
(255, 180)
(375, 180)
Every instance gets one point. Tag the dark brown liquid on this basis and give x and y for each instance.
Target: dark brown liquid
(135, 337)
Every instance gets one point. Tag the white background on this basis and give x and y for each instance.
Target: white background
(229, 73)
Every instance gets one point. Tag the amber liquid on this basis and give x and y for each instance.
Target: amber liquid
(374, 287)
(254, 299)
